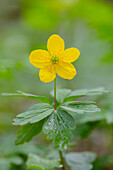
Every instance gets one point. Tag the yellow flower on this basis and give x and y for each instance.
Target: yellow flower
(55, 61)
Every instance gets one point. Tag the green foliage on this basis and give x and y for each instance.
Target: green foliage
(85, 92)
(80, 108)
(45, 12)
(80, 160)
(59, 126)
(61, 94)
(66, 95)
(32, 120)
(84, 130)
(22, 94)
(103, 161)
(12, 156)
(35, 161)
(36, 113)
(6, 162)
(75, 102)
(28, 131)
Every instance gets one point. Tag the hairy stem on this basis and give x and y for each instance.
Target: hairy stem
(60, 152)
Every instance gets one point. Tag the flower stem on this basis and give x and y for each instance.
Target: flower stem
(62, 160)
(60, 152)
(55, 93)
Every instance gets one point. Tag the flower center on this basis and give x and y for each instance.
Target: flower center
(54, 59)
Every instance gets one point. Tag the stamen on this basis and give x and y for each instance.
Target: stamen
(54, 59)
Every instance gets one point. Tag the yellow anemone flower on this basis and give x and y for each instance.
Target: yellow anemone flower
(55, 61)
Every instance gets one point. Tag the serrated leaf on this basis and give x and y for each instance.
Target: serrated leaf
(22, 94)
(85, 92)
(34, 161)
(80, 160)
(61, 94)
(28, 131)
(59, 126)
(34, 114)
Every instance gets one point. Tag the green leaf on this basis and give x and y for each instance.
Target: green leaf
(84, 92)
(36, 113)
(81, 167)
(80, 160)
(17, 160)
(34, 161)
(79, 102)
(7, 161)
(28, 131)
(80, 108)
(61, 94)
(59, 126)
(22, 94)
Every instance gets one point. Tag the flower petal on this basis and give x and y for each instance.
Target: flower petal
(55, 45)
(47, 74)
(39, 58)
(66, 70)
(70, 55)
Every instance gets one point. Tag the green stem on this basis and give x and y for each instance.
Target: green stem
(62, 160)
(60, 152)
(55, 93)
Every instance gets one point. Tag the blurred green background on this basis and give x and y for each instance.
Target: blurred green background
(85, 24)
